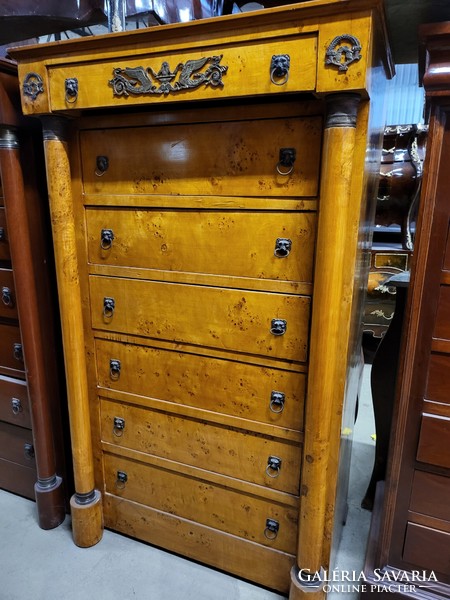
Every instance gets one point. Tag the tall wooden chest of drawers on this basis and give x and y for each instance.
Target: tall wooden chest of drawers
(211, 198)
(32, 440)
(411, 532)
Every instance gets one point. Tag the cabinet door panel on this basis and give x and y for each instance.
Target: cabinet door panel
(237, 320)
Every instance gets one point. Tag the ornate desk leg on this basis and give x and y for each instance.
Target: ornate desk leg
(332, 299)
(48, 488)
(85, 504)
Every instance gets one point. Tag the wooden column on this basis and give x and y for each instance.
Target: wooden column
(86, 506)
(48, 488)
(329, 346)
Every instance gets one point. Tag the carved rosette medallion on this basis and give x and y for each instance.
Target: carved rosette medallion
(341, 55)
(33, 85)
(139, 81)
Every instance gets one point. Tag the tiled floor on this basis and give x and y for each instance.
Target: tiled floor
(46, 565)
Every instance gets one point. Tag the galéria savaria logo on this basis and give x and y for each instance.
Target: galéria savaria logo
(380, 580)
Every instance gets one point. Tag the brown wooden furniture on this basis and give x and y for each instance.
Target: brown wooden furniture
(413, 531)
(209, 222)
(31, 437)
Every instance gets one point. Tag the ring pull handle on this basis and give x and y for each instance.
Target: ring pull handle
(18, 351)
(109, 304)
(282, 247)
(2, 234)
(119, 426)
(71, 90)
(121, 480)
(277, 400)
(28, 451)
(273, 466)
(278, 327)
(271, 530)
(279, 68)
(102, 165)
(7, 297)
(16, 406)
(286, 161)
(106, 238)
(114, 369)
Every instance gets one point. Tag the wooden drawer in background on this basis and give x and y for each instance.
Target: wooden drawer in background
(433, 445)
(17, 478)
(210, 446)
(11, 356)
(187, 159)
(14, 404)
(16, 444)
(4, 245)
(430, 495)
(8, 307)
(243, 390)
(436, 557)
(238, 320)
(242, 244)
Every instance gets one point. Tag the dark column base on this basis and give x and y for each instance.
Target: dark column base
(50, 503)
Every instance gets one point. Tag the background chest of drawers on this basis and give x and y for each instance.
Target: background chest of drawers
(32, 440)
(411, 526)
(208, 248)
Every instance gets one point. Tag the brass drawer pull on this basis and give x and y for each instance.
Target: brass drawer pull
(71, 89)
(119, 426)
(286, 160)
(114, 369)
(109, 304)
(273, 466)
(102, 163)
(271, 530)
(282, 247)
(121, 480)
(277, 400)
(7, 297)
(17, 351)
(16, 406)
(279, 68)
(106, 238)
(28, 450)
(278, 327)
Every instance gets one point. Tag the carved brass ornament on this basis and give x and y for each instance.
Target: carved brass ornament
(140, 81)
(33, 85)
(341, 55)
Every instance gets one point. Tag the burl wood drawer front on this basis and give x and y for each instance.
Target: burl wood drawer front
(225, 158)
(4, 245)
(243, 244)
(428, 548)
(16, 444)
(202, 502)
(433, 442)
(11, 355)
(8, 307)
(220, 71)
(237, 320)
(242, 390)
(14, 404)
(223, 450)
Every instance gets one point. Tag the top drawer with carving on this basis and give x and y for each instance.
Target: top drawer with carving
(225, 71)
(266, 158)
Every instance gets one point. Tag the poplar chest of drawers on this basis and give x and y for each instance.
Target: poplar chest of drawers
(209, 190)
